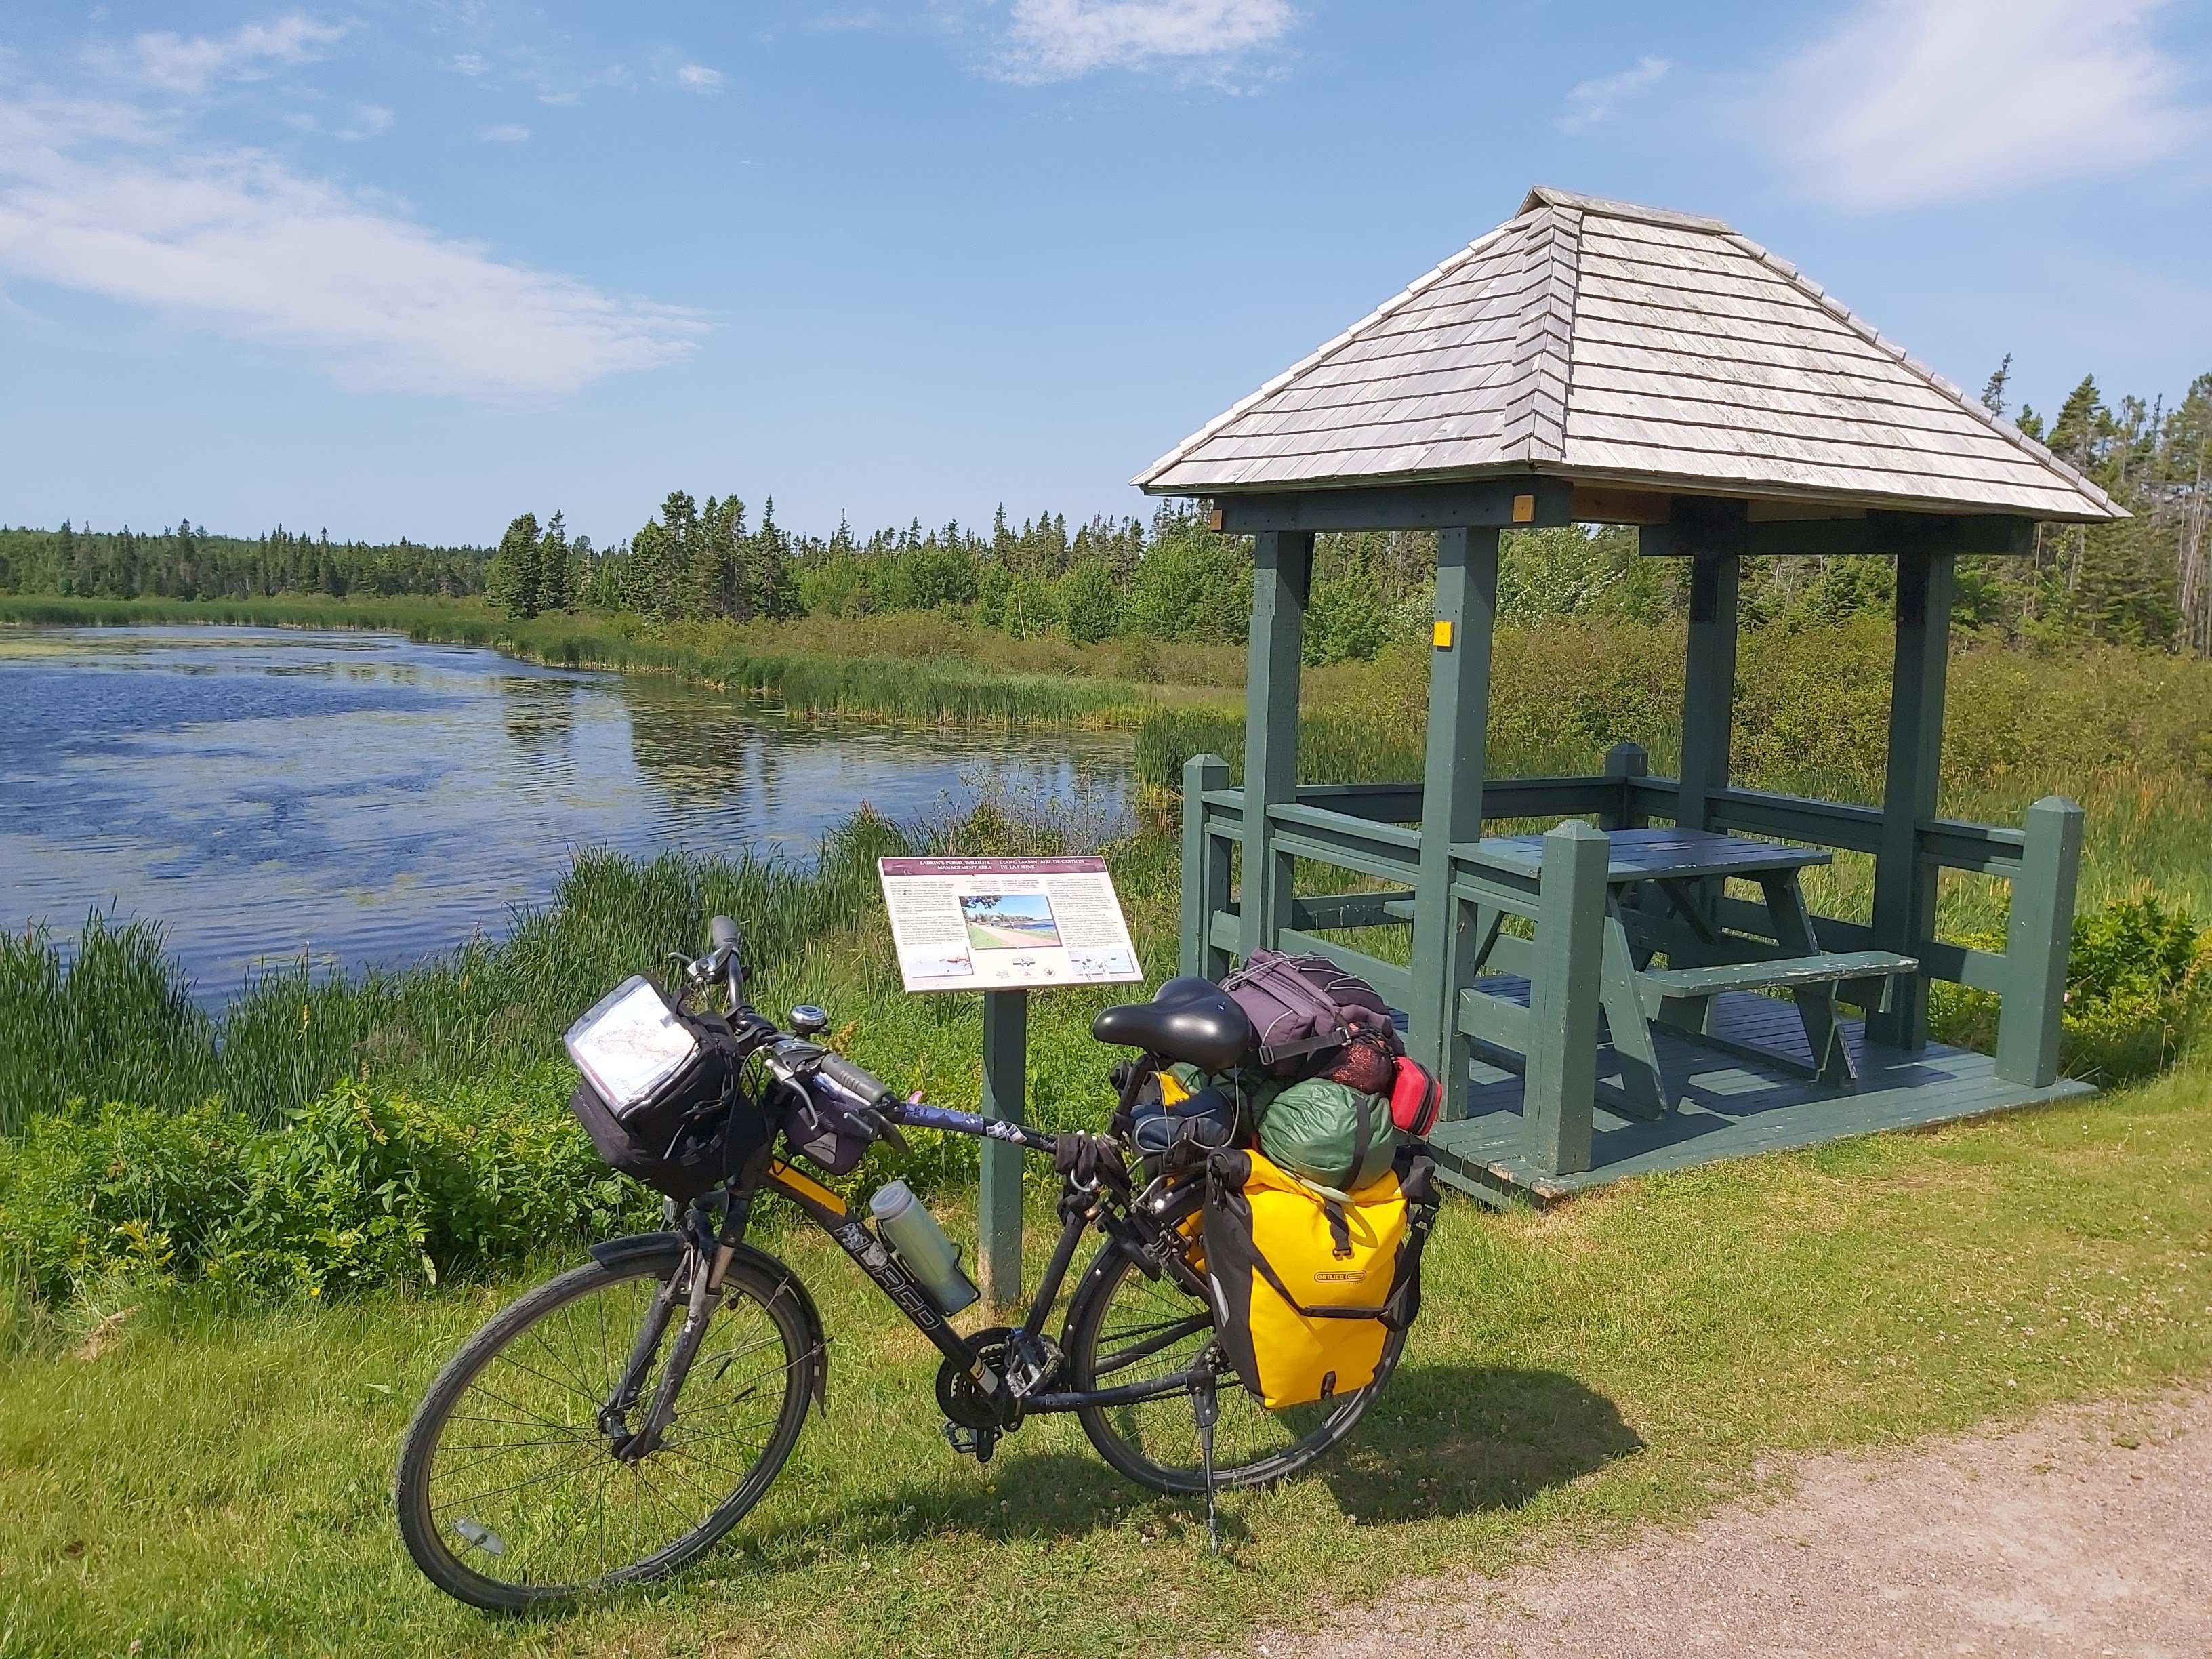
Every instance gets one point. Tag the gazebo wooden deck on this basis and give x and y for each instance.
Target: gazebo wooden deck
(1597, 999)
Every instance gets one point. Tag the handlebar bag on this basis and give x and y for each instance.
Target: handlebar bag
(654, 1077)
(820, 1126)
(1306, 1285)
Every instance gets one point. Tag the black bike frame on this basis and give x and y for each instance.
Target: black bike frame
(889, 1275)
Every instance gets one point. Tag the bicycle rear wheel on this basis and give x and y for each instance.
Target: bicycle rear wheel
(508, 1490)
(1124, 1328)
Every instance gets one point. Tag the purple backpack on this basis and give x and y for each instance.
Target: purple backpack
(1303, 1009)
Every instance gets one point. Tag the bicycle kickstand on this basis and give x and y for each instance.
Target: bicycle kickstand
(1206, 1410)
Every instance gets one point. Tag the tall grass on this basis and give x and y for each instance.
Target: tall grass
(114, 1019)
(909, 670)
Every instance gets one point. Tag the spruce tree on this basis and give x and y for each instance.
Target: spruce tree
(556, 578)
(511, 582)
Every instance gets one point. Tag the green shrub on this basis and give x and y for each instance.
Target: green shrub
(362, 1187)
(2138, 990)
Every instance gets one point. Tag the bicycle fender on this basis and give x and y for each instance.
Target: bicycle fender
(613, 1252)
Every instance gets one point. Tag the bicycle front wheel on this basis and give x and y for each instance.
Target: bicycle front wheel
(509, 1489)
(1123, 1327)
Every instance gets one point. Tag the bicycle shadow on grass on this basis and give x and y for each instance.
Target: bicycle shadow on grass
(1444, 1440)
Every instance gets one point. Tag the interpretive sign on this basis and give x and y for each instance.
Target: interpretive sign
(1005, 924)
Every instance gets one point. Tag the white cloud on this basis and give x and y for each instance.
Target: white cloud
(560, 97)
(1591, 102)
(370, 119)
(697, 78)
(507, 132)
(174, 62)
(102, 199)
(1917, 102)
(1061, 39)
(467, 62)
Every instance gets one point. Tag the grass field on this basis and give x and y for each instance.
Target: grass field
(185, 1480)
(195, 1473)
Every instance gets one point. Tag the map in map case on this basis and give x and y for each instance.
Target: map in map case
(981, 924)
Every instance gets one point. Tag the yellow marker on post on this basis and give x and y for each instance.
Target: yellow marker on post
(1444, 636)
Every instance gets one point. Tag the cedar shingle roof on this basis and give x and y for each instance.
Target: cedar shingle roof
(1624, 344)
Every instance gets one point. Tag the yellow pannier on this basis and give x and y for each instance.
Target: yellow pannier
(1308, 1284)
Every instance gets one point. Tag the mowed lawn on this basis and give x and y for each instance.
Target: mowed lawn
(208, 1483)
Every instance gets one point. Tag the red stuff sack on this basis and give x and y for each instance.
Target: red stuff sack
(1416, 1097)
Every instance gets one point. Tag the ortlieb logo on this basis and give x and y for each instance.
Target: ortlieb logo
(1341, 1279)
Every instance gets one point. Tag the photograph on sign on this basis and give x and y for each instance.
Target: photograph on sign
(995, 924)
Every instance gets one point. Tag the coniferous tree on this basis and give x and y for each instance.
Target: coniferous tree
(556, 576)
(511, 582)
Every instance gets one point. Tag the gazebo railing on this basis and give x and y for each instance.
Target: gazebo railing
(1364, 829)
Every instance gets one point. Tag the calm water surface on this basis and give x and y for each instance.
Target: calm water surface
(358, 799)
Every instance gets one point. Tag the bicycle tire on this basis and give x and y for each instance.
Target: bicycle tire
(1305, 1432)
(759, 1280)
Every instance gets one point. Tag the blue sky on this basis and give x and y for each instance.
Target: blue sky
(408, 268)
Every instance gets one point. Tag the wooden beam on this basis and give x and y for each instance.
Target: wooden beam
(1715, 532)
(1876, 533)
(1599, 504)
(1282, 571)
(1525, 499)
(1451, 782)
(1904, 881)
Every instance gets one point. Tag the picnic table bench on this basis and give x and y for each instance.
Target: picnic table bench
(1660, 888)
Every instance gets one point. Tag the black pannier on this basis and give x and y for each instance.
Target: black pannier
(651, 1074)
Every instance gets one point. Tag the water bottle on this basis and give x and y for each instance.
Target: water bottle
(930, 1256)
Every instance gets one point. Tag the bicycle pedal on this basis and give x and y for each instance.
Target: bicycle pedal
(978, 1443)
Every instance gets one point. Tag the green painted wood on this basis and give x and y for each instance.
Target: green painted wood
(1642, 1086)
(1452, 774)
(1825, 968)
(1471, 929)
(1876, 533)
(1639, 855)
(1204, 867)
(1714, 531)
(1498, 1021)
(1282, 572)
(1355, 832)
(1790, 921)
(1562, 1003)
(2037, 942)
(1383, 803)
(1904, 883)
(1322, 911)
(1623, 762)
(1484, 504)
(1984, 848)
(1795, 818)
(1734, 1107)
(999, 1204)
(1361, 856)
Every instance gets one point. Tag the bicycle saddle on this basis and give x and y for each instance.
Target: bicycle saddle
(1191, 1019)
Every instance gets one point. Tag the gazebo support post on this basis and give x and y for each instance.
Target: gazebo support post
(1713, 533)
(1282, 572)
(1451, 794)
(1904, 885)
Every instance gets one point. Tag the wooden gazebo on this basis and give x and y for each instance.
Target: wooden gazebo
(1596, 361)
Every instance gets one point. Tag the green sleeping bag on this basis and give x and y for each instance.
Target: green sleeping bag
(1328, 1134)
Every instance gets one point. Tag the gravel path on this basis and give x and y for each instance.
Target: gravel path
(2088, 1532)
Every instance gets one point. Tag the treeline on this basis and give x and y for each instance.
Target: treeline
(189, 563)
(2146, 581)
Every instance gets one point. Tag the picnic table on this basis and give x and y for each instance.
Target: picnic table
(1662, 888)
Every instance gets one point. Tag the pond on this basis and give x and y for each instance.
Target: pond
(355, 799)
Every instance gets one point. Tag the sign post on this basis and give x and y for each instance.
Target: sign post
(1005, 926)
(1005, 1087)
